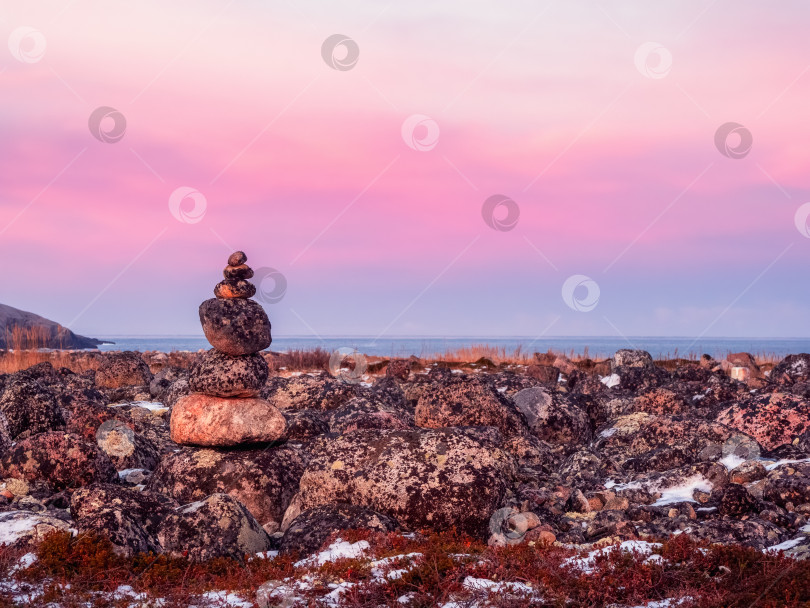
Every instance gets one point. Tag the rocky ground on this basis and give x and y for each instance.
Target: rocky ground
(701, 469)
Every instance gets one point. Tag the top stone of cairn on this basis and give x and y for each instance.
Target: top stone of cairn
(236, 285)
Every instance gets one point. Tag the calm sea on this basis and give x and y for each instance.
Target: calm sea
(595, 346)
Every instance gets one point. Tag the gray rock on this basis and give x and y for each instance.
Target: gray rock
(222, 375)
(235, 327)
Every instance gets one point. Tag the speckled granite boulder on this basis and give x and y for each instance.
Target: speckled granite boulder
(552, 417)
(222, 375)
(311, 528)
(454, 477)
(29, 407)
(468, 401)
(263, 480)
(217, 526)
(130, 519)
(63, 460)
(788, 483)
(773, 419)
(235, 326)
(118, 370)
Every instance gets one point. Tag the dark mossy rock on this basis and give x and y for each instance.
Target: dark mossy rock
(221, 375)
(235, 326)
(311, 528)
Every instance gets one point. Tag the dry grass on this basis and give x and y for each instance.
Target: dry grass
(26, 347)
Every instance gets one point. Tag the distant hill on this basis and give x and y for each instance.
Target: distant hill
(22, 329)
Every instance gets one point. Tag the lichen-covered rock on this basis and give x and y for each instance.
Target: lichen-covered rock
(792, 369)
(29, 407)
(217, 526)
(20, 529)
(263, 480)
(177, 390)
(311, 528)
(644, 442)
(773, 419)
(552, 417)
(118, 370)
(628, 358)
(308, 392)
(788, 483)
(365, 413)
(737, 501)
(659, 401)
(235, 326)
(222, 375)
(399, 369)
(130, 519)
(63, 460)
(752, 532)
(163, 380)
(303, 425)
(204, 420)
(453, 477)
(467, 401)
(126, 448)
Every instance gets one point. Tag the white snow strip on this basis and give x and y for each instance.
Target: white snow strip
(484, 584)
(683, 492)
(587, 564)
(611, 380)
(223, 598)
(779, 463)
(731, 461)
(608, 432)
(154, 406)
(340, 549)
(788, 544)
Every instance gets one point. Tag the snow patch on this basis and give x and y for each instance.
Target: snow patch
(587, 564)
(611, 380)
(683, 492)
(340, 549)
(731, 461)
(788, 544)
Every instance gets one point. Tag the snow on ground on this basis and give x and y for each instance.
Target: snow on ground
(788, 544)
(683, 492)
(225, 599)
(338, 550)
(731, 461)
(608, 432)
(779, 463)
(586, 564)
(618, 487)
(484, 584)
(611, 380)
(667, 603)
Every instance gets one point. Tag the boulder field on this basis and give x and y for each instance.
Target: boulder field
(577, 455)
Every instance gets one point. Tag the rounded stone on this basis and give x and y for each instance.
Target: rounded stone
(235, 327)
(237, 258)
(122, 369)
(234, 273)
(222, 375)
(204, 420)
(230, 289)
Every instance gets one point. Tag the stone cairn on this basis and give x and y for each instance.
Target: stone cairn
(225, 409)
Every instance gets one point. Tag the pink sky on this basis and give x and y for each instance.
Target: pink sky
(616, 174)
